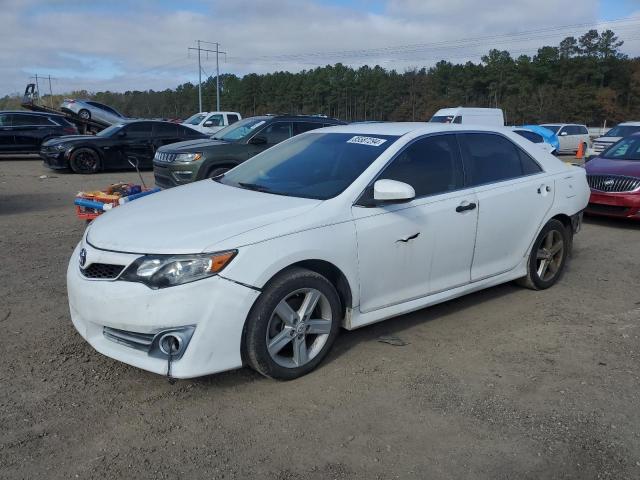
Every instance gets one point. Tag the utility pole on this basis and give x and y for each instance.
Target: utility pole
(217, 51)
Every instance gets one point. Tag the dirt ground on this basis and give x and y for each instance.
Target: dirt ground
(502, 384)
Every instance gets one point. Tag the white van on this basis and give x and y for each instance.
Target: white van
(476, 116)
(211, 122)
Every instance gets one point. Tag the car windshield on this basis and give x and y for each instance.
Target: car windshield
(313, 165)
(442, 119)
(195, 119)
(110, 131)
(622, 131)
(239, 129)
(553, 128)
(626, 149)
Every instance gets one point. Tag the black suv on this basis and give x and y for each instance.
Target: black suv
(186, 162)
(24, 132)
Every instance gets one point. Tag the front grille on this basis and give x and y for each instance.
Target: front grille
(139, 341)
(165, 157)
(607, 209)
(600, 147)
(613, 183)
(102, 271)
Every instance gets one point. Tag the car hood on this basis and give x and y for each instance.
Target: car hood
(607, 166)
(607, 139)
(67, 139)
(191, 145)
(193, 218)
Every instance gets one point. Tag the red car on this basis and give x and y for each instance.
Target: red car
(614, 178)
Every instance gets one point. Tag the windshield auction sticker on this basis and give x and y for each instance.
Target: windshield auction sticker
(371, 141)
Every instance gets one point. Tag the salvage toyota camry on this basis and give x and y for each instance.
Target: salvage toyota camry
(339, 227)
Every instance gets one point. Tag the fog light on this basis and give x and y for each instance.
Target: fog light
(171, 342)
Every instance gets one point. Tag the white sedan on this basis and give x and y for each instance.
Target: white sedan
(339, 227)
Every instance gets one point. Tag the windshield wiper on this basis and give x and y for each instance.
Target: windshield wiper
(255, 187)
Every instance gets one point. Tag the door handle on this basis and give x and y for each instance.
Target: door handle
(546, 188)
(410, 237)
(464, 208)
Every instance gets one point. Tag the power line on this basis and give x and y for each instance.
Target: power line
(217, 51)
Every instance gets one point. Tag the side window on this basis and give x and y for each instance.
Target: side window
(458, 119)
(232, 118)
(492, 158)
(583, 130)
(188, 132)
(139, 130)
(277, 132)
(563, 130)
(301, 127)
(430, 165)
(214, 121)
(5, 120)
(165, 130)
(574, 130)
(25, 120)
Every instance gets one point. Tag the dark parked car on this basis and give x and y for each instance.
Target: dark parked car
(187, 162)
(614, 178)
(24, 132)
(114, 146)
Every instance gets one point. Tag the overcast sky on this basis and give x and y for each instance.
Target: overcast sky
(119, 45)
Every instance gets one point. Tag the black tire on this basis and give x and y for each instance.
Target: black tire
(538, 277)
(215, 171)
(84, 114)
(259, 322)
(84, 161)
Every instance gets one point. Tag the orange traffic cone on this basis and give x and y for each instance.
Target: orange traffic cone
(580, 152)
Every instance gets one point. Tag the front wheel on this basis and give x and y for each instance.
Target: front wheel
(84, 160)
(548, 256)
(293, 324)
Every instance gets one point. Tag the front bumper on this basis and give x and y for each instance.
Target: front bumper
(620, 205)
(169, 175)
(215, 306)
(54, 159)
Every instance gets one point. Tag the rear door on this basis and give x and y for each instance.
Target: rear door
(7, 143)
(29, 130)
(514, 196)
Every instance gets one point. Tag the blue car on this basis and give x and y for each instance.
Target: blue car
(540, 135)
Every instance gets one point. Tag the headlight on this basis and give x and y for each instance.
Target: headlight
(187, 157)
(161, 271)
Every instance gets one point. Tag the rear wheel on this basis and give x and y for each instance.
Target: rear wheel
(548, 256)
(84, 114)
(293, 324)
(84, 160)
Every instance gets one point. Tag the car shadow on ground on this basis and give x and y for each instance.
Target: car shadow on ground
(348, 340)
(19, 204)
(624, 223)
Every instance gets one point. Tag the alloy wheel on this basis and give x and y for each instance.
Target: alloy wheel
(550, 255)
(299, 328)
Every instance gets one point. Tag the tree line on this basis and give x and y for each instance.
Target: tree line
(585, 80)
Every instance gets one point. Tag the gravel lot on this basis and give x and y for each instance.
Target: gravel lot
(504, 383)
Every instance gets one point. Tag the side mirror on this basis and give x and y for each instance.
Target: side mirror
(393, 191)
(208, 123)
(563, 134)
(258, 140)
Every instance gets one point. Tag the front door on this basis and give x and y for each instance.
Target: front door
(514, 195)
(6, 133)
(269, 136)
(410, 250)
(137, 145)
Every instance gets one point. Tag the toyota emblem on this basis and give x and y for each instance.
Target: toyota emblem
(83, 257)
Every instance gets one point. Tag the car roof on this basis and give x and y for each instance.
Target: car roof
(30, 112)
(311, 118)
(630, 124)
(403, 128)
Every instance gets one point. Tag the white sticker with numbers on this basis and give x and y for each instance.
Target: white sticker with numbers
(371, 141)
